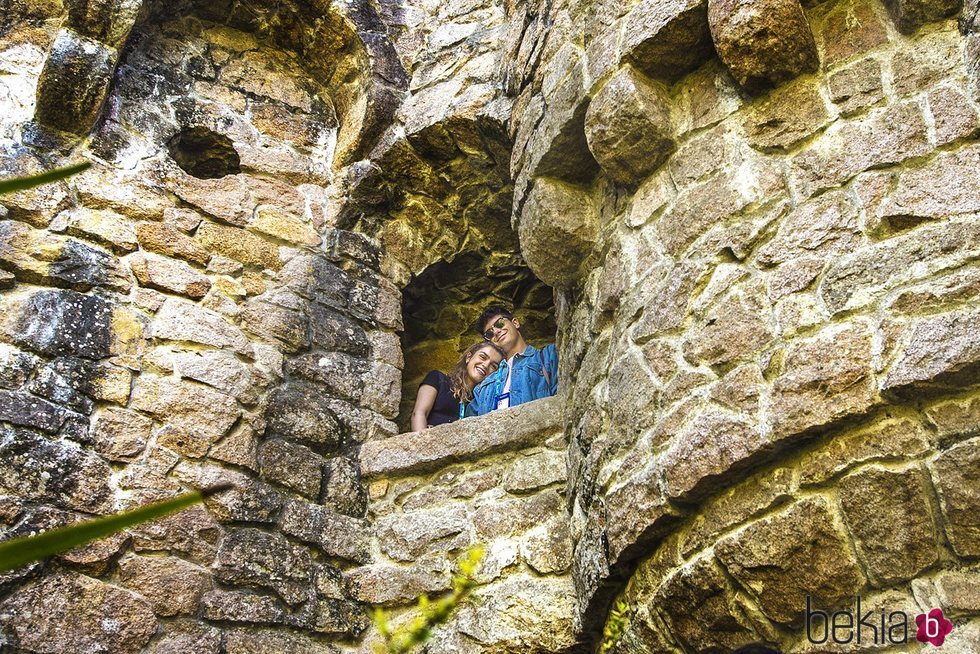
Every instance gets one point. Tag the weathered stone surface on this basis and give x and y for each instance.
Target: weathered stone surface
(293, 466)
(296, 412)
(715, 447)
(734, 329)
(701, 610)
(335, 332)
(167, 275)
(272, 641)
(628, 127)
(283, 227)
(879, 441)
(762, 45)
(795, 553)
(198, 409)
(941, 352)
(172, 586)
(851, 29)
(945, 186)
(58, 323)
(785, 117)
(58, 472)
(406, 536)
(534, 471)
(955, 419)
(168, 240)
(499, 431)
(498, 620)
(888, 136)
(38, 205)
(239, 245)
(234, 606)
(557, 230)
(909, 15)
(193, 533)
(219, 369)
(547, 548)
(888, 513)
(956, 473)
(181, 637)
(857, 86)
(824, 378)
(73, 85)
(120, 434)
(955, 117)
(26, 410)
(250, 557)
(108, 21)
(67, 612)
(179, 320)
(392, 585)
(335, 534)
(342, 488)
(667, 40)
(825, 226)
(104, 227)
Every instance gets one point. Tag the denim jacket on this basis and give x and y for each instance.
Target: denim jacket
(527, 382)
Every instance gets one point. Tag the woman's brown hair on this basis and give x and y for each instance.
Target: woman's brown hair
(457, 376)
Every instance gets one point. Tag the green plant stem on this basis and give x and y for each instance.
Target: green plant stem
(24, 183)
(20, 551)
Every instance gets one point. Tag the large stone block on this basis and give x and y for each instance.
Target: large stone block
(108, 21)
(945, 186)
(171, 585)
(296, 412)
(197, 409)
(942, 353)
(793, 554)
(957, 477)
(628, 126)
(294, 466)
(250, 557)
(335, 534)
(393, 584)
(667, 40)
(58, 472)
(786, 117)
(248, 608)
(849, 29)
(700, 608)
(637, 512)
(825, 226)
(120, 434)
(824, 378)
(888, 512)
(735, 329)
(73, 613)
(168, 240)
(164, 274)
(557, 229)
(762, 43)
(74, 82)
(239, 245)
(910, 15)
(408, 535)
(179, 320)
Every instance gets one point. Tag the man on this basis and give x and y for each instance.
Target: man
(527, 374)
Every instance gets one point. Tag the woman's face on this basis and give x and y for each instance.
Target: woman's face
(482, 363)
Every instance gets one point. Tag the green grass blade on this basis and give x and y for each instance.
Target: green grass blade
(24, 183)
(20, 551)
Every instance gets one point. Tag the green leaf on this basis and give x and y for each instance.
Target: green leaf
(24, 183)
(20, 551)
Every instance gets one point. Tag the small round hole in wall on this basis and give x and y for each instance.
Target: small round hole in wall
(204, 154)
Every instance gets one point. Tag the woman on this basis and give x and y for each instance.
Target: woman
(441, 398)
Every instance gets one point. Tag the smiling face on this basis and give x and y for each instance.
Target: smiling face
(504, 333)
(481, 363)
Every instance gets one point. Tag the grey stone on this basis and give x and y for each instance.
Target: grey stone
(547, 548)
(533, 471)
(628, 127)
(667, 40)
(120, 434)
(557, 230)
(296, 412)
(57, 323)
(342, 488)
(335, 534)
(294, 466)
(250, 557)
(942, 353)
(242, 607)
(792, 554)
(956, 472)
(68, 612)
(73, 85)
(393, 585)
(179, 320)
(172, 586)
(406, 536)
(197, 409)
(888, 513)
(164, 274)
(762, 46)
(909, 15)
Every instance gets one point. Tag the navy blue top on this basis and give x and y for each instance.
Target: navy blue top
(446, 407)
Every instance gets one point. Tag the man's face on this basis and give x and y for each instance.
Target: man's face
(502, 331)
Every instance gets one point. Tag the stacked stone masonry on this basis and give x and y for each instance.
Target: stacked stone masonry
(760, 222)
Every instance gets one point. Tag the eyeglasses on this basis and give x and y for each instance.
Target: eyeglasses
(497, 324)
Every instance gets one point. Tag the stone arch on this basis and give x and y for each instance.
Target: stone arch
(345, 48)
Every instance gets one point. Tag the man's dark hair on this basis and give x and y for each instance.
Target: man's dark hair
(490, 312)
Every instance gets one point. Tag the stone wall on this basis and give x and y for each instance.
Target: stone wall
(768, 220)
(760, 222)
